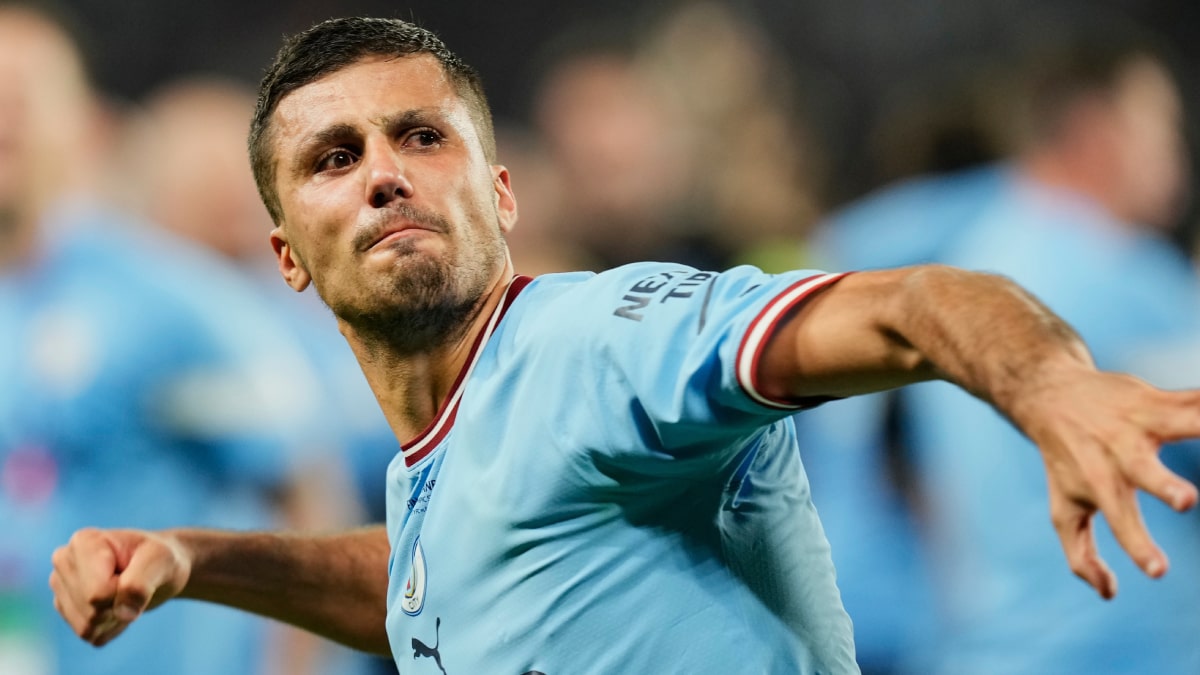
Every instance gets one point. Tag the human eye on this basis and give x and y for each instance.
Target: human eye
(336, 159)
(423, 137)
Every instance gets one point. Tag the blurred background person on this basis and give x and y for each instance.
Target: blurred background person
(938, 150)
(677, 135)
(756, 178)
(1082, 221)
(618, 155)
(143, 383)
(184, 166)
(1081, 215)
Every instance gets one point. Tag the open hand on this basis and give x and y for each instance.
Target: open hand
(1100, 436)
(105, 579)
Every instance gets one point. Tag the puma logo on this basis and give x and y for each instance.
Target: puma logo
(420, 649)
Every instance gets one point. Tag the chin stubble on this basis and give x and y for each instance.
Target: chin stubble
(429, 303)
(416, 311)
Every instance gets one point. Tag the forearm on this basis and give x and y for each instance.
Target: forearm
(984, 333)
(1099, 433)
(333, 585)
(883, 329)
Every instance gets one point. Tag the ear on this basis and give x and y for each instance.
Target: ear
(506, 201)
(290, 265)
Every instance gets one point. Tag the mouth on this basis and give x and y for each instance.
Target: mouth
(391, 233)
(397, 225)
(392, 236)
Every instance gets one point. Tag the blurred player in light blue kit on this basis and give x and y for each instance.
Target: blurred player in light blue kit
(187, 171)
(1080, 221)
(143, 385)
(598, 473)
(1079, 216)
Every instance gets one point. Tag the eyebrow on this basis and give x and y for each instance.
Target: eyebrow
(409, 118)
(336, 134)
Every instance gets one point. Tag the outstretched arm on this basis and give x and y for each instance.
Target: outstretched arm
(332, 585)
(1099, 433)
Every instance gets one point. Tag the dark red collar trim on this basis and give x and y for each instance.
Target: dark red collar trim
(425, 442)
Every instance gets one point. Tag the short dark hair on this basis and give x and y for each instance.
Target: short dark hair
(332, 45)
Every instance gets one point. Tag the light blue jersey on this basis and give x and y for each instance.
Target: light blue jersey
(606, 491)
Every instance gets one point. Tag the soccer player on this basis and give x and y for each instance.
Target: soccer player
(598, 472)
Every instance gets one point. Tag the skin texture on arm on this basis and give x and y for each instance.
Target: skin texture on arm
(332, 585)
(1099, 433)
(877, 330)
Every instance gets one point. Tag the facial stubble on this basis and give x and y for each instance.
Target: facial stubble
(422, 301)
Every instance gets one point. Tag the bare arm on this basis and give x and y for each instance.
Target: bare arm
(1099, 433)
(332, 585)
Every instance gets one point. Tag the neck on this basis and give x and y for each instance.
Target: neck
(410, 383)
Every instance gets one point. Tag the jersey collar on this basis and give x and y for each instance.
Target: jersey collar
(425, 442)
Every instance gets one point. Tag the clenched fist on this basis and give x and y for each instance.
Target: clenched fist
(105, 579)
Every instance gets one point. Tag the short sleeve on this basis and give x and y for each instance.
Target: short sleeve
(679, 347)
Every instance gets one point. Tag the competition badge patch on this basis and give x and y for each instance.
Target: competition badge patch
(414, 592)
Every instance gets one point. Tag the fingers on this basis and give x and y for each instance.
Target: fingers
(1139, 467)
(84, 582)
(1124, 518)
(1178, 417)
(1100, 438)
(103, 581)
(149, 570)
(1146, 471)
(1074, 526)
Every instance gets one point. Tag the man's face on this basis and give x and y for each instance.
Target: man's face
(43, 109)
(389, 205)
(1148, 123)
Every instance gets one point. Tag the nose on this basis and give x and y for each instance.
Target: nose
(387, 180)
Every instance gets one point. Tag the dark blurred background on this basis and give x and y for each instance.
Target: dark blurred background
(790, 134)
(853, 59)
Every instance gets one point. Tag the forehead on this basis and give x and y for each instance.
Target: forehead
(366, 92)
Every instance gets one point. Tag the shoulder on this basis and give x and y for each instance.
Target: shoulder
(555, 300)
(170, 288)
(639, 293)
(139, 254)
(908, 222)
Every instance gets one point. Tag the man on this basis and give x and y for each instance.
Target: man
(128, 397)
(598, 473)
(1077, 214)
